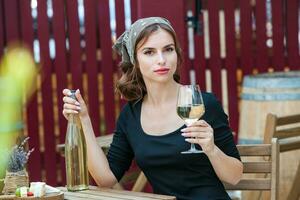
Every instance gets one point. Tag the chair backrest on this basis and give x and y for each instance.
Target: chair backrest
(259, 166)
(287, 130)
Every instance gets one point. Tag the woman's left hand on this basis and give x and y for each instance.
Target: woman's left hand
(200, 133)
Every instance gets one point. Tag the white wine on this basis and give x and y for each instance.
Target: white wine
(190, 113)
(190, 107)
(75, 155)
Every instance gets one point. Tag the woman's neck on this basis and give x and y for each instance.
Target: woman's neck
(158, 94)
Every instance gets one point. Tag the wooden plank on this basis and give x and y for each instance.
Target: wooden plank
(250, 184)
(140, 183)
(107, 67)
(257, 167)
(134, 10)
(286, 133)
(278, 33)
(271, 167)
(270, 128)
(231, 65)
(2, 28)
(120, 28)
(52, 196)
(111, 194)
(262, 58)
(120, 17)
(214, 43)
(12, 26)
(289, 144)
(47, 104)
(91, 64)
(292, 34)
(180, 27)
(26, 31)
(60, 65)
(246, 37)
(138, 194)
(255, 150)
(103, 142)
(75, 55)
(35, 167)
(291, 119)
(200, 62)
(275, 168)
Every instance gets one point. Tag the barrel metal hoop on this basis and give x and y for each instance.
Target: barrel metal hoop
(272, 97)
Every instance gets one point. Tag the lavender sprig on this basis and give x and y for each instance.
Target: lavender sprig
(18, 157)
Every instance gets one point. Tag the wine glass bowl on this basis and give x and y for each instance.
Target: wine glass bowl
(190, 108)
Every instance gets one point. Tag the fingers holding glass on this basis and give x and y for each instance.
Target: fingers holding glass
(190, 107)
(200, 133)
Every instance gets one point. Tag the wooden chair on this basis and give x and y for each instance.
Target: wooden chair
(262, 166)
(287, 130)
(288, 137)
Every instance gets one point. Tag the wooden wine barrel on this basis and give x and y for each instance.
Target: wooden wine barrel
(277, 93)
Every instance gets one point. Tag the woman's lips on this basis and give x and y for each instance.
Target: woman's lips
(162, 70)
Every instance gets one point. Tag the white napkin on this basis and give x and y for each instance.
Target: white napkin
(39, 189)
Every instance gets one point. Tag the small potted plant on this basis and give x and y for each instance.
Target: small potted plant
(16, 174)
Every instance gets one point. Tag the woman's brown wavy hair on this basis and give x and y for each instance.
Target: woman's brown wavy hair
(131, 85)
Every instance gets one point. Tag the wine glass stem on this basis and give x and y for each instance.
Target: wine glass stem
(193, 148)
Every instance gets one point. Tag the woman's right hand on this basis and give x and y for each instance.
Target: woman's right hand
(71, 106)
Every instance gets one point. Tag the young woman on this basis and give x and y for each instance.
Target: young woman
(149, 129)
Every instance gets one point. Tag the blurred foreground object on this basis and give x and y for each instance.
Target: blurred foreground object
(17, 75)
(16, 174)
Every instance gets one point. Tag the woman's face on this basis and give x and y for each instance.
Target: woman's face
(157, 58)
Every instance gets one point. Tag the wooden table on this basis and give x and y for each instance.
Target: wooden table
(96, 193)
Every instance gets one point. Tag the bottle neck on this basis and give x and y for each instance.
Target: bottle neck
(73, 118)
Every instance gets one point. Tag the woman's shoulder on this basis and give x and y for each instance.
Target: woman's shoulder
(208, 95)
(212, 103)
(209, 98)
(131, 108)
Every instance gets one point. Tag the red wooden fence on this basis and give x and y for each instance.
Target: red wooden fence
(83, 58)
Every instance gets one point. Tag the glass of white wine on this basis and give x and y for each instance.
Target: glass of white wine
(190, 108)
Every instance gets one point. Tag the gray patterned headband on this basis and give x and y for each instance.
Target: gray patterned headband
(126, 42)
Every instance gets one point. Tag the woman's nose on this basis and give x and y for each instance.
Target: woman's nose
(161, 59)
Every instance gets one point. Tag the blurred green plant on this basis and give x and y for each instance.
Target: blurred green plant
(18, 72)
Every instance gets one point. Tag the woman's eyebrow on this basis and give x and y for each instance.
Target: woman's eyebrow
(169, 45)
(151, 48)
(148, 48)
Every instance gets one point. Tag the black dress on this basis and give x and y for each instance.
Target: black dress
(186, 176)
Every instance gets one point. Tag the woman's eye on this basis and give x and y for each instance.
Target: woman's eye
(170, 49)
(148, 52)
